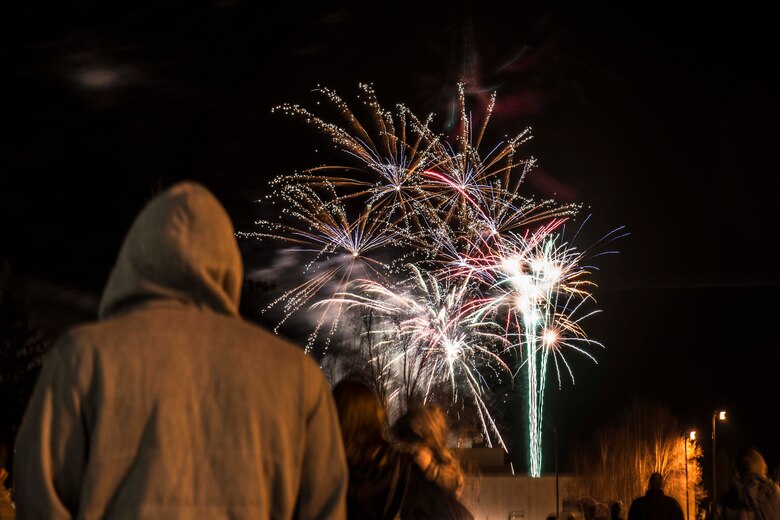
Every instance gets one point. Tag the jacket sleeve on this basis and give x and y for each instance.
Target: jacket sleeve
(323, 487)
(51, 446)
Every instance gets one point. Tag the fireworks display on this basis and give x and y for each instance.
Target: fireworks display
(463, 280)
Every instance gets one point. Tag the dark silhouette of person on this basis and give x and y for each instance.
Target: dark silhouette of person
(752, 495)
(655, 505)
(616, 510)
(384, 483)
(172, 406)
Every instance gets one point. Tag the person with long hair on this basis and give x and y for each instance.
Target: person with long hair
(423, 433)
(384, 483)
(375, 485)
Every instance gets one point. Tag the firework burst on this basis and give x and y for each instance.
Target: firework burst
(459, 271)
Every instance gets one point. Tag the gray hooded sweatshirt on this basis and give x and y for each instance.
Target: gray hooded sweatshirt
(171, 406)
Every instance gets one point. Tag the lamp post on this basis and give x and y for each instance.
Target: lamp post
(557, 503)
(692, 437)
(721, 416)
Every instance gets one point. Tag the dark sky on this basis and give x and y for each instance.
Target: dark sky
(663, 119)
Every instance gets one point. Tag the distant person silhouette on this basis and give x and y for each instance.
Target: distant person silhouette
(616, 510)
(592, 509)
(600, 512)
(752, 495)
(655, 505)
(171, 406)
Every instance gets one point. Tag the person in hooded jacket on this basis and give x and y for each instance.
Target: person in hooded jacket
(170, 405)
(752, 496)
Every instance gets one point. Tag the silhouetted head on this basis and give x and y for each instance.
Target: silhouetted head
(748, 461)
(616, 509)
(361, 416)
(425, 425)
(656, 482)
(586, 505)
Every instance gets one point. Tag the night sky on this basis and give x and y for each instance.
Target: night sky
(663, 120)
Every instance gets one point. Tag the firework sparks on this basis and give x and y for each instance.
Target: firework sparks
(458, 270)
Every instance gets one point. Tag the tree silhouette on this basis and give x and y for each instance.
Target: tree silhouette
(645, 440)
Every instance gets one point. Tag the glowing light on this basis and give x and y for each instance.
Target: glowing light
(465, 280)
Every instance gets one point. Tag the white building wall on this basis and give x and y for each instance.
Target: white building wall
(508, 497)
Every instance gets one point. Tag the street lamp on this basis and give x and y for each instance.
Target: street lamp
(721, 416)
(557, 503)
(691, 437)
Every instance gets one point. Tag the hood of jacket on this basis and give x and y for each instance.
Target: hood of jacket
(181, 249)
